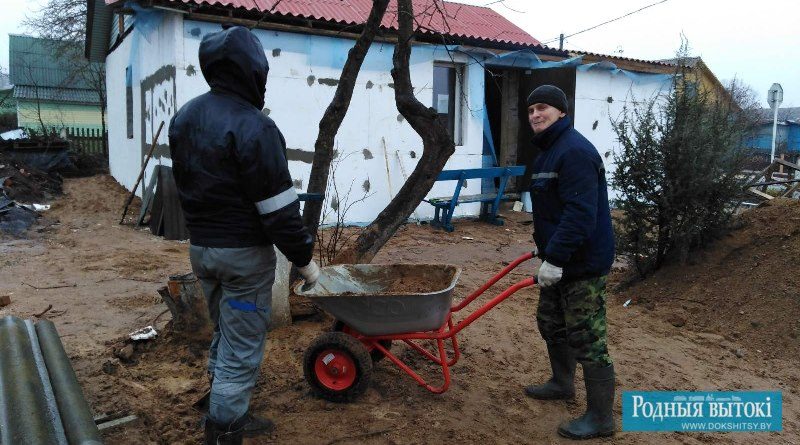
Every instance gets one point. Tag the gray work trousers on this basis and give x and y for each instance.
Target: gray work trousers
(237, 283)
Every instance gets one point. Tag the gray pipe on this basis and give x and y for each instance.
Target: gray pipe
(52, 409)
(22, 399)
(75, 413)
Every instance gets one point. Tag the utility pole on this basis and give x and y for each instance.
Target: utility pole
(774, 99)
(561, 42)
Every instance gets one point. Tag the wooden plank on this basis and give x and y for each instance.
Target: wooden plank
(475, 173)
(787, 164)
(792, 189)
(757, 176)
(760, 193)
(117, 422)
(484, 197)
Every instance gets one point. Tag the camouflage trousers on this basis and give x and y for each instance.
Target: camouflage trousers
(574, 312)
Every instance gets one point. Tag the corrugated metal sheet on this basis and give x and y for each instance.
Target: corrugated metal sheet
(41, 401)
(127, 23)
(451, 19)
(98, 25)
(625, 59)
(49, 94)
(33, 61)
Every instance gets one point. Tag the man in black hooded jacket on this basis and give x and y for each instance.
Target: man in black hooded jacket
(237, 195)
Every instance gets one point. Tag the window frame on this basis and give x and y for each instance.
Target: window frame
(459, 69)
(129, 101)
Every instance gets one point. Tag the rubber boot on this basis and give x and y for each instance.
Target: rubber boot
(562, 384)
(598, 420)
(257, 426)
(253, 425)
(217, 434)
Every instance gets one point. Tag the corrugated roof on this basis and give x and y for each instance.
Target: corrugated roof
(689, 62)
(626, 59)
(52, 94)
(784, 114)
(465, 21)
(34, 61)
(98, 26)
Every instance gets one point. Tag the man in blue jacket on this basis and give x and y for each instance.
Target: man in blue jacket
(237, 195)
(574, 237)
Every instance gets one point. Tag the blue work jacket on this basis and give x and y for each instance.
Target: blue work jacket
(571, 216)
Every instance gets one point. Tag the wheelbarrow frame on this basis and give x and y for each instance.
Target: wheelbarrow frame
(447, 331)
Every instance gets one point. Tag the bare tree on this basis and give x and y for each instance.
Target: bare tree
(8, 116)
(437, 147)
(31, 80)
(63, 22)
(337, 204)
(334, 114)
(5, 95)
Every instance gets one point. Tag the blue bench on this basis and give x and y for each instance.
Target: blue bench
(445, 206)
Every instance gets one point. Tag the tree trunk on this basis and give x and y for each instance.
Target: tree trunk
(334, 114)
(190, 317)
(436, 142)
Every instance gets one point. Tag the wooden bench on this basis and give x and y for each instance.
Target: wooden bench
(445, 206)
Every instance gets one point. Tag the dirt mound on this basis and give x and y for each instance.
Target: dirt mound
(27, 184)
(100, 197)
(746, 287)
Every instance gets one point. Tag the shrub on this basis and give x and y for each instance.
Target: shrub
(678, 169)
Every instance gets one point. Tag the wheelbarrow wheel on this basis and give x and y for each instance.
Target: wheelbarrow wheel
(338, 367)
(376, 354)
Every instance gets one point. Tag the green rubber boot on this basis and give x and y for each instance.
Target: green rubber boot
(562, 384)
(598, 420)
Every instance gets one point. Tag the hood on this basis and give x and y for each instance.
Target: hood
(233, 62)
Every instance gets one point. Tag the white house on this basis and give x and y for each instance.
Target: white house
(477, 73)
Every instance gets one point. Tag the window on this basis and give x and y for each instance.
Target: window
(129, 101)
(448, 82)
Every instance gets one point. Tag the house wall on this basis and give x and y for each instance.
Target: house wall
(55, 115)
(787, 136)
(600, 98)
(151, 52)
(377, 148)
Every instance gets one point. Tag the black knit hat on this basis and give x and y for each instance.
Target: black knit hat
(550, 95)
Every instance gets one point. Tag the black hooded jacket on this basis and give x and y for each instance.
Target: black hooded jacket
(229, 159)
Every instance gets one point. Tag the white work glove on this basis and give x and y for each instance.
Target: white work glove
(310, 273)
(549, 274)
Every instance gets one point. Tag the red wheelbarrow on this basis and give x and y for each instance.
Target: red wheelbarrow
(375, 305)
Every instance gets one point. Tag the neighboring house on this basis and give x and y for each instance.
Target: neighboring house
(702, 74)
(477, 73)
(787, 135)
(47, 91)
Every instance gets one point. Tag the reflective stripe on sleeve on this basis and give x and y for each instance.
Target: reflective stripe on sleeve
(549, 175)
(277, 202)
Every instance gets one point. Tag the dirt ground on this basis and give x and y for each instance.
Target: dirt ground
(727, 322)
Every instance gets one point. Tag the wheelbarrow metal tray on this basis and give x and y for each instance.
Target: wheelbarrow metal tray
(385, 299)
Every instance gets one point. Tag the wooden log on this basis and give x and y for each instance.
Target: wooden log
(184, 297)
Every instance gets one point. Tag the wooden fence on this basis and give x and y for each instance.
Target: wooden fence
(87, 140)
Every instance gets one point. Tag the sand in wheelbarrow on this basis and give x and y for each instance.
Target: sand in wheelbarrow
(405, 279)
(418, 283)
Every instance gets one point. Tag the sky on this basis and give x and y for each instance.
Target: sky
(758, 43)
(13, 12)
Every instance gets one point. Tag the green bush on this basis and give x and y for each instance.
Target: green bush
(677, 170)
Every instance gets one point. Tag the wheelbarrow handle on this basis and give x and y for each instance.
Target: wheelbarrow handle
(492, 281)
